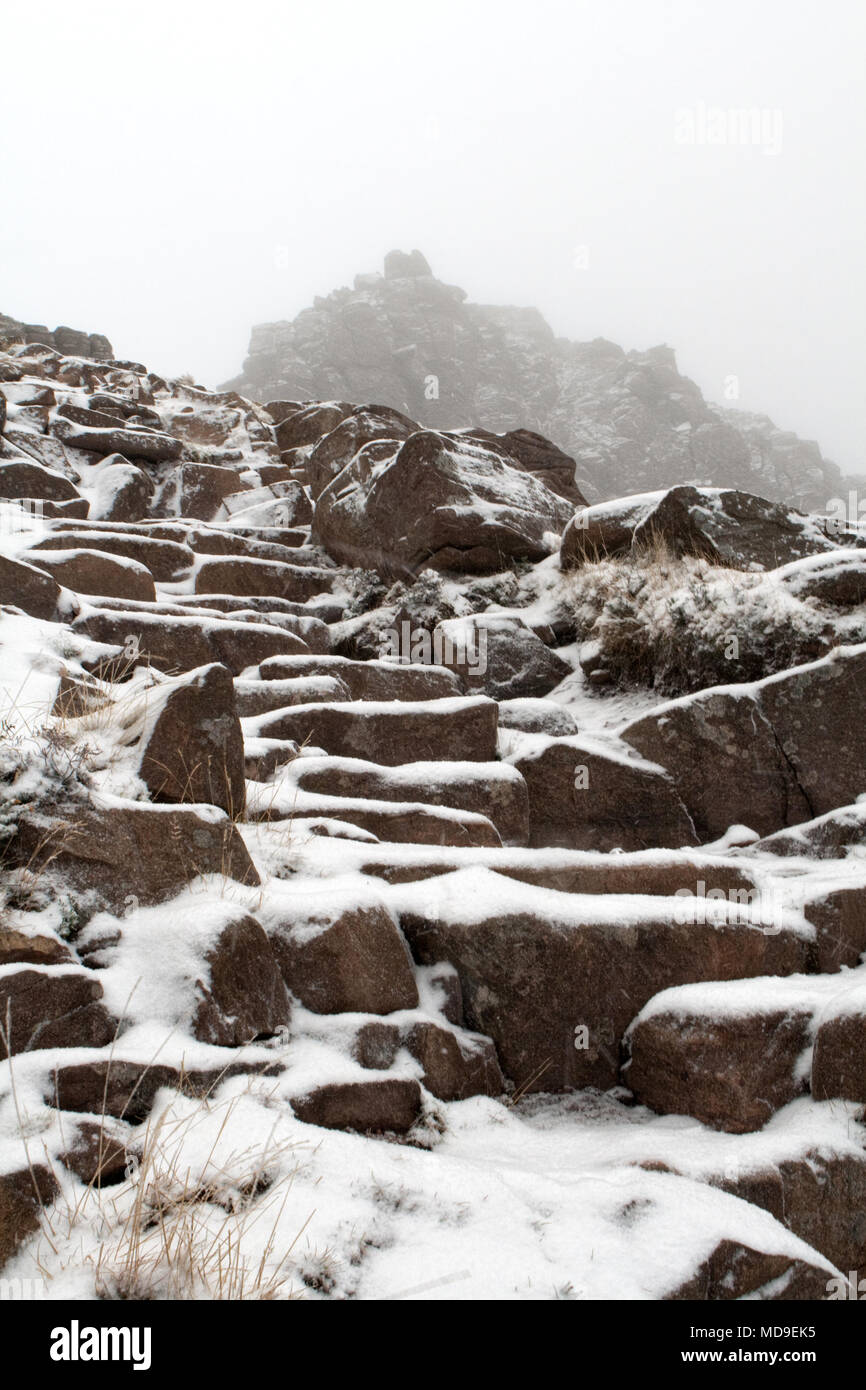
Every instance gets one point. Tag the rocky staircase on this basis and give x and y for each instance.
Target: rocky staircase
(469, 895)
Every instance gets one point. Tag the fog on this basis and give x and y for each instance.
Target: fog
(173, 173)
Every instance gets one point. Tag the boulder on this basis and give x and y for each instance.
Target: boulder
(391, 1105)
(23, 478)
(126, 1090)
(166, 560)
(711, 730)
(123, 492)
(25, 948)
(202, 488)
(31, 590)
(435, 503)
(341, 958)
(307, 424)
(728, 527)
(182, 644)
(192, 748)
(839, 1055)
(132, 443)
(692, 1053)
(261, 697)
(498, 656)
(123, 850)
(95, 1155)
(93, 572)
(494, 790)
(51, 1006)
(456, 1064)
(736, 1271)
(406, 265)
(244, 997)
(364, 425)
(587, 795)
(530, 716)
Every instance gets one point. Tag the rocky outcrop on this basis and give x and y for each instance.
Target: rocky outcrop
(630, 420)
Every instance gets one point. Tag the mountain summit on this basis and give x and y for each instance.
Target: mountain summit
(631, 421)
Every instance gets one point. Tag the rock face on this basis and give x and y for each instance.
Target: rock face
(69, 341)
(629, 419)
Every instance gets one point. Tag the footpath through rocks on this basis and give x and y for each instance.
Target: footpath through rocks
(333, 847)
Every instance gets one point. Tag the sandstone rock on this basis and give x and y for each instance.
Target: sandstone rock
(588, 795)
(839, 919)
(456, 1065)
(351, 959)
(309, 423)
(256, 577)
(203, 487)
(126, 1090)
(192, 747)
(93, 572)
(531, 716)
(820, 1197)
(391, 1105)
(109, 854)
(95, 1155)
(435, 503)
(730, 1071)
(731, 528)
(260, 697)
(24, 948)
(166, 560)
(29, 589)
(752, 782)
(376, 1045)
(457, 730)
(368, 680)
(51, 1006)
(535, 966)
(23, 478)
(837, 579)
(123, 491)
(182, 644)
(736, 1271)
(493, 790)
(245, 997)
(830, 836)
(23, 1195)
(499, 656)
(336, 449)
(815, 711)
(132, 443)
(839, 1056)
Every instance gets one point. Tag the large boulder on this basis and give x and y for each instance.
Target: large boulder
(590, 795)
(192, 748)
(120, 851)
(202, 488)
(731, 528)
(498, 656)
(436, 503)
(337, 448)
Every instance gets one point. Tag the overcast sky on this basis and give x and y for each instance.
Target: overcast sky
(171, 173)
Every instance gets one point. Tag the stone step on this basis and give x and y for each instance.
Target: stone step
(492, 790)
(368, 680)
(181, 644)
(449, 730)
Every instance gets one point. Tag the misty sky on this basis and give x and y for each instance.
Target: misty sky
(171, 173)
